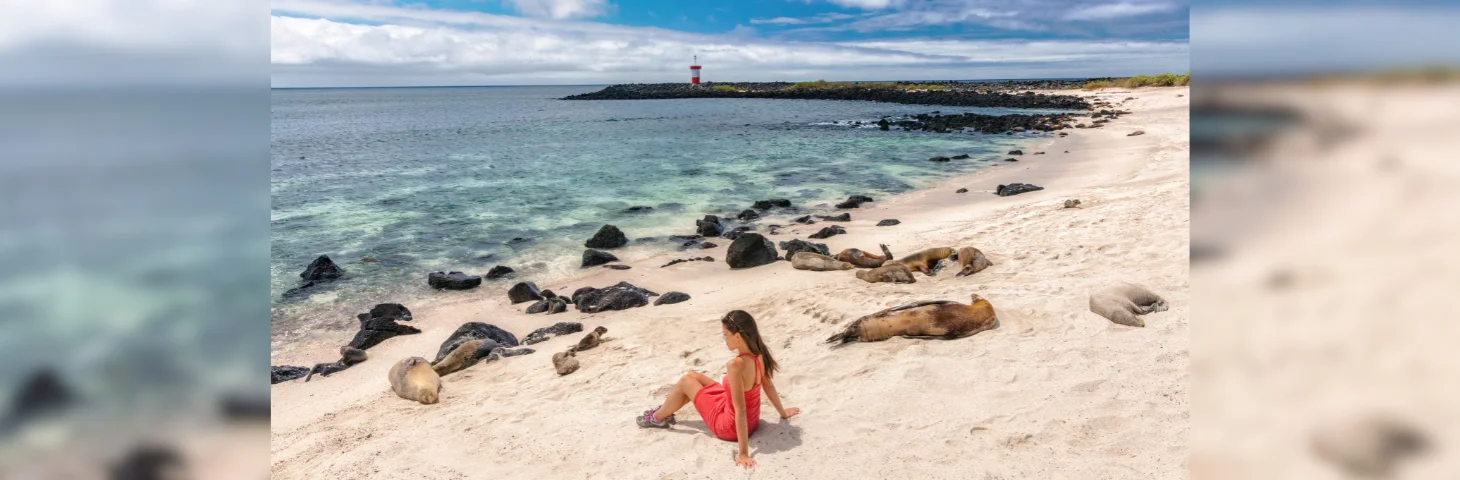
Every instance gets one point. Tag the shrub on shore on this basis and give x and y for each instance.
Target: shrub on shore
(727, 88)
(1162, 80)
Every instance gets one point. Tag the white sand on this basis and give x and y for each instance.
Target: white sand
(1054, 392)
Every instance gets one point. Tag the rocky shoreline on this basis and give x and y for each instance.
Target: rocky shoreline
(1012, 94)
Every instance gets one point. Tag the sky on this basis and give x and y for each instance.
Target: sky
(338, 43)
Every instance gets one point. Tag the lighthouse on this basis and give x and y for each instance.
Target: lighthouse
(694, 72)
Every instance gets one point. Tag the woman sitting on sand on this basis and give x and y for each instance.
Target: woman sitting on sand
(731, 410)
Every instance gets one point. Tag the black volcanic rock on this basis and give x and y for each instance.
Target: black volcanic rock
(1009, 94)
(622, 296)
(608, 236)
(750, 250)
(638, 209)
(499, 271)
(1016, 152)
(748, 215)
(524, 292)
(845, 217)
(829, 232)
(546, 333)
(321, 268)
(793, 246)
(672, 298)
(768, 204)
(284, 373)
(938, 159)
(960, 157)
(889, 222)
(806, 220)
(854, 201)
(683, 260)
(453, 280)
(710, 226)
(1015, 189)
(592, 258)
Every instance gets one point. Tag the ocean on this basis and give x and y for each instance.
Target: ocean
(442, 179)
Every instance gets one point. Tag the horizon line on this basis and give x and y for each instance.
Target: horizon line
(611, 84)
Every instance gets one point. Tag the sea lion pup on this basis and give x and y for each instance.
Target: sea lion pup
(1121, 303)
(925, 260)
(972, 260)
(592, 339)
(473, 352)
(817, 262)
(862, 259)
(565, 363)
(349, 356)
(413, 379)
(930, 319)
(890, 273)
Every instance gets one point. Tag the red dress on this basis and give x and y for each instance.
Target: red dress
(715, 406)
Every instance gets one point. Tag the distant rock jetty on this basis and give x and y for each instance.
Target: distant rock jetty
(1011, 94)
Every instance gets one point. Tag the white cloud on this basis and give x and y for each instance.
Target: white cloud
(868, 4)
(561, 9)
(404, 46)
(778, 21)
(1118, 10)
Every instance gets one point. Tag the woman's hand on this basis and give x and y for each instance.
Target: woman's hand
(744, 461)
(790, 412)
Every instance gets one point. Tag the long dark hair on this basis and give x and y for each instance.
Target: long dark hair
(737, 321)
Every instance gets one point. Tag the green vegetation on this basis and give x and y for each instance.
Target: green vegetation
(727, 88)
(825, 85)
(1162, 80)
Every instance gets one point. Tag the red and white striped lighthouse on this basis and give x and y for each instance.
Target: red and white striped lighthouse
(694, 72)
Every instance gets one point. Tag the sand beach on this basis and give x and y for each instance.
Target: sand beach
(1054, 392)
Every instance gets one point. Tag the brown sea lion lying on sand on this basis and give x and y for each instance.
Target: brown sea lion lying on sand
(817, 262)
(1121, 303)
(890, 273)
(863, 259)
(925, 260)
(413, 379)
(931, 319)
(972, 260)
(473, 352)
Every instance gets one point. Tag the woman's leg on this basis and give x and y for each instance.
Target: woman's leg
(683, 392)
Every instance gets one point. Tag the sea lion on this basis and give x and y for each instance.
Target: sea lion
(1121, 303)
(931, 319)
(473, 352)
(413, 379)
(862, 259)
(972, 260)
(817, 262)
(349, 356)
(592, 339)
(890, 273)
(925, 260)
(565, 363)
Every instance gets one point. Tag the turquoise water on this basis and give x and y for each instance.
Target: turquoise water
(427, 179)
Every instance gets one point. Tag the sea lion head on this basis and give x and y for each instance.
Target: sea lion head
(428, 396)
(600, 330)
(975, 299)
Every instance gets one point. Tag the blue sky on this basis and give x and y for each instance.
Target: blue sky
(521, 42)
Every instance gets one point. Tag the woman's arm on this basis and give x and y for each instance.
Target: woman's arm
(736, 369)
(770, 392)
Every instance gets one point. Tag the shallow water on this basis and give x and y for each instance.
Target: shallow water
(427, 179)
